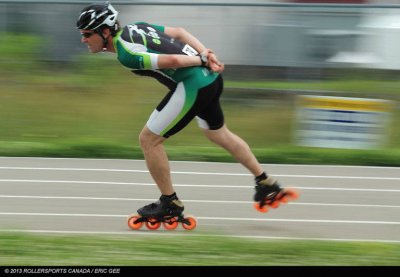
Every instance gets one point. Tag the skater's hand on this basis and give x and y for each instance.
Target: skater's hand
(213, 63)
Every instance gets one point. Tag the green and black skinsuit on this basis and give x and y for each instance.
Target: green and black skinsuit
(194, 91)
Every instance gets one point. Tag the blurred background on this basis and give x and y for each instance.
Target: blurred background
(306, 81)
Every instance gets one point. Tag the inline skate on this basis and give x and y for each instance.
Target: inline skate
(270, 194)
(165, 211)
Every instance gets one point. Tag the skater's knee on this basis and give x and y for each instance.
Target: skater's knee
(222, 137)
(148, 139)
(216, 136)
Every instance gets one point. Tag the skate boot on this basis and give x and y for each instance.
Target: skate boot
(166, 211)
(270, 194)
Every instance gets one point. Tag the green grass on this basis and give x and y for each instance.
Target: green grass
(377, 88)
(204, 250)
(67, 115)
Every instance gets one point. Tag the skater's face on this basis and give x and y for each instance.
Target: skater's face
(93, 40)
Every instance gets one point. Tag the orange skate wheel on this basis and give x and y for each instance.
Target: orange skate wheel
(171, 224)
(192, 221)
(132, 224)
(258, 208)
(274, 204)
(284, 199)
(291, 194)
(153, 224)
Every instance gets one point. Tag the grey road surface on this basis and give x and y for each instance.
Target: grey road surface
(96, 196)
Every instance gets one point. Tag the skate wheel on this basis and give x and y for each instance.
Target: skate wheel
(259, 208)
(290, 194)
(192, 223)
(284, 199)
(171, 224)
(274, 204)
(153, 224)
(132, 224)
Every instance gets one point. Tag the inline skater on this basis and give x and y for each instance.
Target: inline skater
(192, 74)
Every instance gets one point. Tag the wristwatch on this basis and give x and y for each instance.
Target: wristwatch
(203, 59)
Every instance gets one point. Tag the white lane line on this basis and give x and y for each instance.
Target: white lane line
(177, 233)
(218, 218)
(188, 200)
(199, 173)
(185, 185)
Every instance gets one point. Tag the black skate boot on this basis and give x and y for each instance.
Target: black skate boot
(270, 194)
(167, 210)
(164, 207)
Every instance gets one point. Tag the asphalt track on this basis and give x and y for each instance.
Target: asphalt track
(92, 196)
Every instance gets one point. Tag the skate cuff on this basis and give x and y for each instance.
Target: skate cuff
(269, 181)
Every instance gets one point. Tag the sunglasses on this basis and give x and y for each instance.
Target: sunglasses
(87, 35)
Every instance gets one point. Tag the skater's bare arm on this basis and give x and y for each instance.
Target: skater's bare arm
(177, 61)
(184, 36)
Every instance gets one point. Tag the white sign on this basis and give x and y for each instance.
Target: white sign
(341, 122)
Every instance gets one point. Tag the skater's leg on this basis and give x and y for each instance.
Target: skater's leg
(156, 160)
(235, 145)
(267, 189)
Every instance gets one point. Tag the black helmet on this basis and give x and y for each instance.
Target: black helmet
(94, 16)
